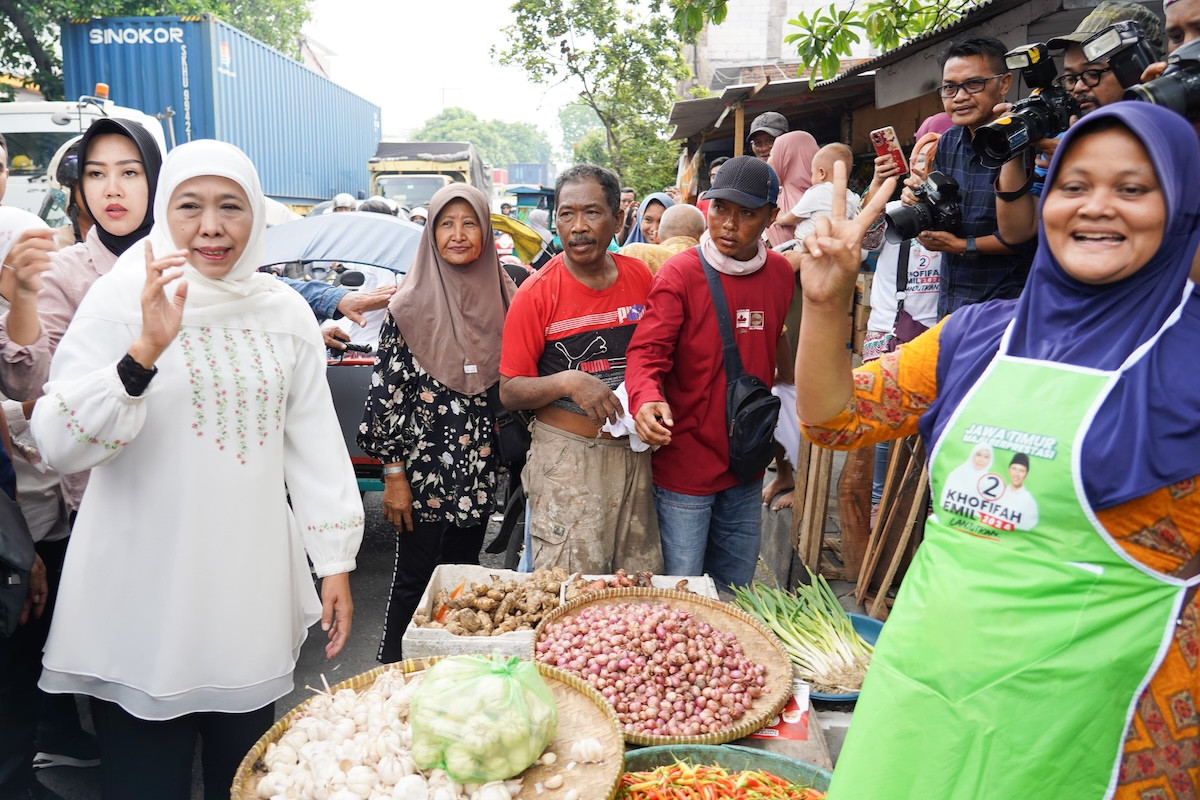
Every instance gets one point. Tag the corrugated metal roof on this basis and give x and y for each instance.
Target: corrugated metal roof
(790, 97)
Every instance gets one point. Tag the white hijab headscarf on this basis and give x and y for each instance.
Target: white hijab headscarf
(192, 160)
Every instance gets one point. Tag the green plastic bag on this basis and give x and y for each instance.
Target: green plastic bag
(482, 719)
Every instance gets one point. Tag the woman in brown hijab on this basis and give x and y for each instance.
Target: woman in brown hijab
(427, 416)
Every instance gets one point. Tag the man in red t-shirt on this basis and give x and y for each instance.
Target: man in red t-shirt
(591, 508)
(708, 521)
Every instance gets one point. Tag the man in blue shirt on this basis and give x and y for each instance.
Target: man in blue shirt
(977, 264)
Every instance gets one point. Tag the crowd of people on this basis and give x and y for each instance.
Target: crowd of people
(1035, 348)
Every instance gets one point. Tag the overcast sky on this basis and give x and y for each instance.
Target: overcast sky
(413, 58)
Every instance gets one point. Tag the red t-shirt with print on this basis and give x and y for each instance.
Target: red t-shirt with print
(557, 323)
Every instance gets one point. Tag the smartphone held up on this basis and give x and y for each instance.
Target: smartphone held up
(886, 144)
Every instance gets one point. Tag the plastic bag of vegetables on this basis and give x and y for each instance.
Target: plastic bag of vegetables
(481, 719)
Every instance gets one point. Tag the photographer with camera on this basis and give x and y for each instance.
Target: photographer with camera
(1106, 53)
(1175, 83)
(1088, 75)
(977, 264)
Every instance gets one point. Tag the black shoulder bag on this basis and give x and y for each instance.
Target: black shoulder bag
(510, 431)
(751, 411)
(16, 562)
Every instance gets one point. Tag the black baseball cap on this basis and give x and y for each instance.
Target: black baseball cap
(771, 122)
(748, 181)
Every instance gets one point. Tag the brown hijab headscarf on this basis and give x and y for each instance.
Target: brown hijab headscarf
(452, 317)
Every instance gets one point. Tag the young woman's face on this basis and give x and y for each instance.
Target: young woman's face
(1104, 216)
(211, 218)
(114, 183)
(650, 221)
(458, 233)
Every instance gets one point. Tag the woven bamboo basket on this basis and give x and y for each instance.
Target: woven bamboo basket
(582, 713)
(757, 641)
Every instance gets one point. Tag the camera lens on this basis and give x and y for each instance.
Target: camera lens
(1000, 141)
(1178, 91)
(907, 221)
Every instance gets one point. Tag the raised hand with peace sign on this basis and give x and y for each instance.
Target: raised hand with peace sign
(829, 264)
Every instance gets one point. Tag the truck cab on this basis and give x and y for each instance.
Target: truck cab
(410, 172)
(35, 130)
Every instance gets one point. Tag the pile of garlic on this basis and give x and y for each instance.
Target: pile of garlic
(358, 746)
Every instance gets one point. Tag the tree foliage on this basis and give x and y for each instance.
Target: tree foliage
(828, 34)
(500, 143)
(578, 121)
(692, 15)
(624, 54)
(29, 29)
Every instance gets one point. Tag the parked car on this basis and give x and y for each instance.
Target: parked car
(306, 247)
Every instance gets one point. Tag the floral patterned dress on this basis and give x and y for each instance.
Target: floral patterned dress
(443, 437)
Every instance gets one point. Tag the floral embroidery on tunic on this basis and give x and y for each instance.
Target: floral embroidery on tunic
(350, 523)
(78, 433)
(195, 380)
(228, 393)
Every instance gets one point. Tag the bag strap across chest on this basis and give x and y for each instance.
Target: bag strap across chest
(732, 358)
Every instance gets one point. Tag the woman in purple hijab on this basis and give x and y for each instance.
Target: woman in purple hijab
(1047, 630)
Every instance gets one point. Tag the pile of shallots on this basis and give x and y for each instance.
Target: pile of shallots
(665, 672)
(358, 746)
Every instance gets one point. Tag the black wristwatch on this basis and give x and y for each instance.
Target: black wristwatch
(971, 248)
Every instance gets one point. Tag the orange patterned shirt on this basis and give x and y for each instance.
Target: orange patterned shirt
(1161, 530)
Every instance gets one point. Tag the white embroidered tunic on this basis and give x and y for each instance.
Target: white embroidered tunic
(186, 587)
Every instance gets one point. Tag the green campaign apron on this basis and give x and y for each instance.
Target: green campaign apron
(1022, 636)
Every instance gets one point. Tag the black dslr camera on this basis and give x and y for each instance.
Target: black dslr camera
(1047, 111)
(1123, 45)
(1178, 88)
(938, 208)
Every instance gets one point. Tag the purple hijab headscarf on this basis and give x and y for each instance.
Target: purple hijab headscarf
(1146, 435)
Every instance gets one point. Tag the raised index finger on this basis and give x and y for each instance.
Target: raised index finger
(149, 255)
(839, 190)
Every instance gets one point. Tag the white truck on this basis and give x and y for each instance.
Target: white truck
(35, 130)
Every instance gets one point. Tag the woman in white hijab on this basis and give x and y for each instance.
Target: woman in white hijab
(194, 389)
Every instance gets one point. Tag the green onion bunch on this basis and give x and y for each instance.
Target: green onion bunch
(815, 630)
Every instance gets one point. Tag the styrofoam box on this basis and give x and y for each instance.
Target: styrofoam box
(425, 642)
(699, 584)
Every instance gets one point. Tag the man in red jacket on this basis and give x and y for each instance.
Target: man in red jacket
(675, 374)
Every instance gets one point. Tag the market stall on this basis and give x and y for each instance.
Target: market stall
(661, 677)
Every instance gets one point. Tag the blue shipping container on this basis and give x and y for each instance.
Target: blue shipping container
(309, 137)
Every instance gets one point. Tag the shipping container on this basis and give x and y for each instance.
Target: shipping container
(309, 137)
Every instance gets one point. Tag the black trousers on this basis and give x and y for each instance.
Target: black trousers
(418, 552)
(20, 668)
(153, 759)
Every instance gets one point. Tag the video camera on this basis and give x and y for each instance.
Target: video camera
(938, 208)
(1124, 46)
(1178, 88)
(1047, 111)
